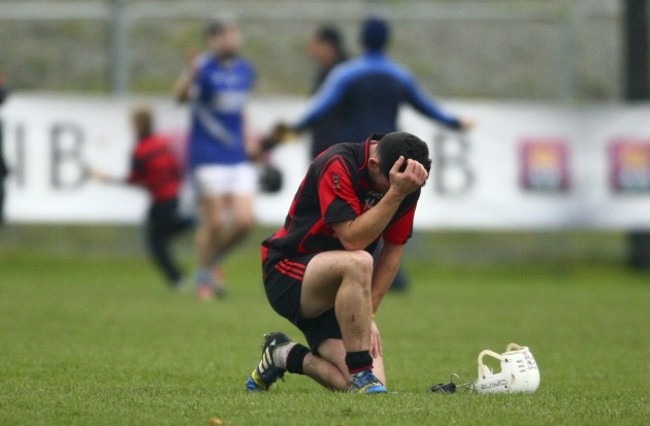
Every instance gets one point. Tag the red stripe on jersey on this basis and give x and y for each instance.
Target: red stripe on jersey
(336, 183)
(284, 271)
(298, 266)
(288, 266)
(265, 253)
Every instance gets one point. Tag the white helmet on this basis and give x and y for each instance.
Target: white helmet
(519, 372)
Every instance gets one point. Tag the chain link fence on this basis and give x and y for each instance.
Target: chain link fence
(527, 49)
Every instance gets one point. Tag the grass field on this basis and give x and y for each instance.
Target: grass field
(91, 338)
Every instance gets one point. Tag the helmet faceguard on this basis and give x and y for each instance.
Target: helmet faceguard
(519, 372)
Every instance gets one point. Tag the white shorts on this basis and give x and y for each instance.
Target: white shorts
(222, 179)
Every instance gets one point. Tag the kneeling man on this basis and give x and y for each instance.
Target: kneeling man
(318, 269)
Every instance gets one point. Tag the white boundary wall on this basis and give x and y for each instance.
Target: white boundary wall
(484, 179)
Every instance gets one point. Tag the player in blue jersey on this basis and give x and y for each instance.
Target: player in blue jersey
(217, 85)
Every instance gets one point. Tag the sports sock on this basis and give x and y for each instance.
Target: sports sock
(294, 358)
(203, 276)
(358, 361)
(281, 353)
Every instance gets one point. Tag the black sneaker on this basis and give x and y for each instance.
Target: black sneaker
(267, 372)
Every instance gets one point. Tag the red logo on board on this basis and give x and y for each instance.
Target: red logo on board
(544, 165)
(629, 161)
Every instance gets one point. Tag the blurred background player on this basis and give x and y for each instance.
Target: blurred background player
(326, 47)
(155, 167)
(369, 90)
(317, 268)
(217, 83)
(365, 95)
(4, 92)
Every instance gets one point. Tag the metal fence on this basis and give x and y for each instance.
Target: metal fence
(550, 50)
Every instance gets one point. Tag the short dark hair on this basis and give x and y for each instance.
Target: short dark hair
(213, 28)
(142, 119)
(375, 33)
(331, 35)
(217, 26)
(396, 144)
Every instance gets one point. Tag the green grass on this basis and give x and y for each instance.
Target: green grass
(96, 339)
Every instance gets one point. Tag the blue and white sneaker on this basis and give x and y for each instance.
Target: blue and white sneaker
(267, 372)
(366, 382)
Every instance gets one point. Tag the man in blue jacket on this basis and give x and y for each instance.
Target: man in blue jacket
(369, 90)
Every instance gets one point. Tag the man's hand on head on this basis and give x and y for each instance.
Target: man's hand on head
(407, 176)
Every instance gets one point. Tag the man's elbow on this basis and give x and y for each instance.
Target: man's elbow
(352, 244)
(350, 239)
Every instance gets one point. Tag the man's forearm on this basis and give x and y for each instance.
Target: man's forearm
(182, 88)
(357, 234)
(385, 271)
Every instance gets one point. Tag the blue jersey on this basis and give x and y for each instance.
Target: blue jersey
(220, 93)
(367, 92)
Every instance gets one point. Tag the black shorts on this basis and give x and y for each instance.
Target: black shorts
(283, 284)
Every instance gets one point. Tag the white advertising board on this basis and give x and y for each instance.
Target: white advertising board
(523, 166)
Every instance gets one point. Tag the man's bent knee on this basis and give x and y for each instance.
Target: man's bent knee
(213, 226)
(361, 262)
(244, 224)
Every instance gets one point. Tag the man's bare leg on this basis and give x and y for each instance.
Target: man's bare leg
(332, 351)
(341, 279)
(325, 372)
(211, 225)
(242, 220)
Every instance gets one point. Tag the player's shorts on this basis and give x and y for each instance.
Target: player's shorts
(283, 284)
(226, 179)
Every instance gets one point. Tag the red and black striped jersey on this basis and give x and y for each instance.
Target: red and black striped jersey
(336, 188)
(155, 167)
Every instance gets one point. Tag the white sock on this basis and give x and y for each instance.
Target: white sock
(281, 353)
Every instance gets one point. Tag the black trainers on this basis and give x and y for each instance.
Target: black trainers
(267, 372)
